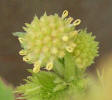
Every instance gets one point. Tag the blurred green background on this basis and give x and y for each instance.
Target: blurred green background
(96, 15)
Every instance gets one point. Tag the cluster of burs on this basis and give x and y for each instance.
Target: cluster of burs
(60, 54)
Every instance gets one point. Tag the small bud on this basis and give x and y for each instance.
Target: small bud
(25, 58)
(36, 68)
(69, 49)
(22, 52)
(65, 14)
(49, 66)
(70, 19)
(65, 38)
(77, 22)
(21, 40)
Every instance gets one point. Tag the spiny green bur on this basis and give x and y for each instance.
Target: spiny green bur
(86, 49)
(70, 51)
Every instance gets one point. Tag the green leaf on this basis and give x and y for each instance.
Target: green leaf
(6, 93)
(58, 80)
(58, 67)
(69, 73)
(46, 79)
(60, 87)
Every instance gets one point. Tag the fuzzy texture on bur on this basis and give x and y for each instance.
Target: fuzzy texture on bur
(86, 49)
(47, 38)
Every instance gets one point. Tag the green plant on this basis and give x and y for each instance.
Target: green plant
(60, 54)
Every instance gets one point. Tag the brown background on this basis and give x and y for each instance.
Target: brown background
(96, 15)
